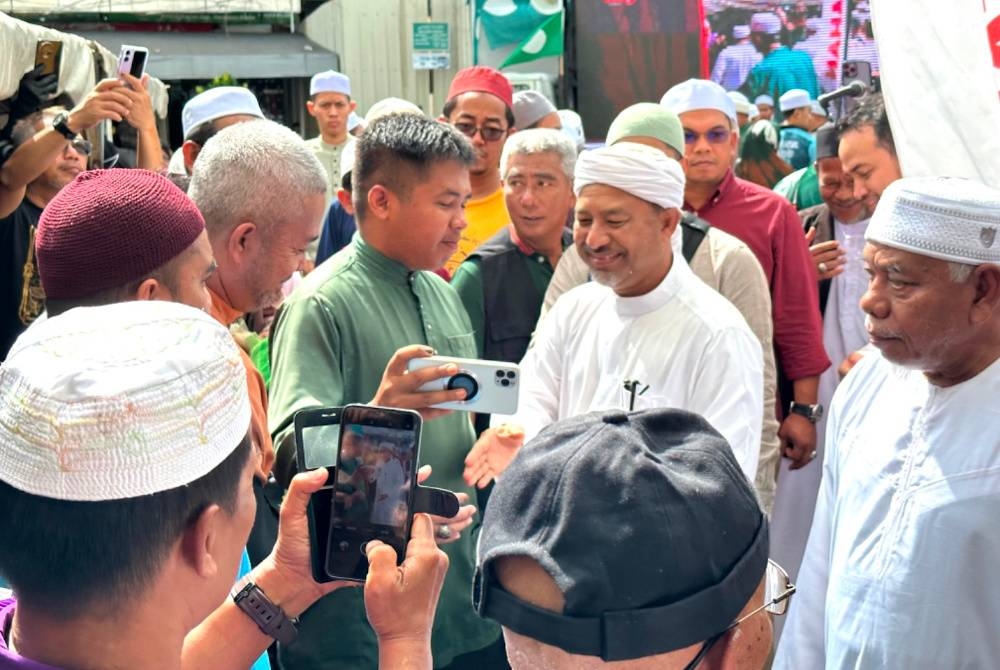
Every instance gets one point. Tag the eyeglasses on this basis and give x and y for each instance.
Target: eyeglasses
(778, 589)
(717, 135)
(488, 133)
(81, 146)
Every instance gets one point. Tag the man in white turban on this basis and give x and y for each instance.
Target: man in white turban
(646, 333)
(900, 567)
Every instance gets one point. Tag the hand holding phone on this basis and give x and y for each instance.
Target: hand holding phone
(401, 385)
(491, 387)
(132, 60)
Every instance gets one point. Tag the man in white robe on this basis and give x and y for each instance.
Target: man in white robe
(646, 333)
(899, 570)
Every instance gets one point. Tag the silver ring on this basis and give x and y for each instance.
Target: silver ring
(822, 267)
(444, 531)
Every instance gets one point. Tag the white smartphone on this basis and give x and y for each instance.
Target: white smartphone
(132, 60)
(491, 386)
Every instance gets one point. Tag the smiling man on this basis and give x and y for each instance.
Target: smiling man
(337, 332)
(898, 571)
(867, 149)
(646, 332)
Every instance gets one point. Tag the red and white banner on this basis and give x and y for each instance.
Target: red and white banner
(940, 66)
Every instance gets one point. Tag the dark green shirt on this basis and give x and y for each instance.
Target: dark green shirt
(330, 345)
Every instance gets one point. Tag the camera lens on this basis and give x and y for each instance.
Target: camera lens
(504, 382)
(499, 373)
(463, 380)
(510, 374)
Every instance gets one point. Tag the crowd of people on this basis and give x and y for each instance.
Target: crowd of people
(753, 357)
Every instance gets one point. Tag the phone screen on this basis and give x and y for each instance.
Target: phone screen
(319, 445)
(373, 494)
(138, 63)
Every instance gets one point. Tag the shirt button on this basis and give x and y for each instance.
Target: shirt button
(429, 327)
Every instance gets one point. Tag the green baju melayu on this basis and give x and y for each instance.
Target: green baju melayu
(330, 345)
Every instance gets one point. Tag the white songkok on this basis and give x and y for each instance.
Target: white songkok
(793, 99)
(387, 106)
(741, 32)
(644, 172)
(120, 401)
(216, 103)
(330, 81)
(951, 219)
(765, 22)
(572, 127)
(740, 102)
(698, 94)
(764, 100)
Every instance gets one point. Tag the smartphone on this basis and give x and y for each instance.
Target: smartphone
(317, 435)
(376, 477)
(490, 386)
(48, 53)
(132, 60)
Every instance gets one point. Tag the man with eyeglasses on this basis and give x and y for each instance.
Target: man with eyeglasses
(480, 105)
(769, 225)
(50, 153)
(647, 550)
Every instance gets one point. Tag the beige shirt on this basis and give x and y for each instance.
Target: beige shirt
(730, 267)
(329, 155)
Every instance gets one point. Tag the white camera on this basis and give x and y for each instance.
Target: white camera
(490, 386)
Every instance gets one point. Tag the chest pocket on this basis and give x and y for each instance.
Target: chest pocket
(462, 345)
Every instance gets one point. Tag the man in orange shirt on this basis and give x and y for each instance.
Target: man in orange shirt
(262, 192)
(481, 106)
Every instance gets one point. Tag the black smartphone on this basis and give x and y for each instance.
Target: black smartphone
(48, 54)
(132, 59)
(317, 435)
(376, 478)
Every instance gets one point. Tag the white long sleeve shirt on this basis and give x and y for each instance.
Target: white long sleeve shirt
(900, 570)
(682, 342)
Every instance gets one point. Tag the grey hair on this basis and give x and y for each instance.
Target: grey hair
(959, 272)
(26, 128)
(540, 141)
(253, 171)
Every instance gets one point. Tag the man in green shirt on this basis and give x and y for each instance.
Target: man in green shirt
(502, 283)
(336, 333)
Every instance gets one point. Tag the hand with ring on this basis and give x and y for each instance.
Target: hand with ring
(829, 257)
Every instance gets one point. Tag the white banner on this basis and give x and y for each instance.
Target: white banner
(940, 66)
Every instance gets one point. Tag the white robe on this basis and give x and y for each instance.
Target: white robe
(683, 340)
(900, 570)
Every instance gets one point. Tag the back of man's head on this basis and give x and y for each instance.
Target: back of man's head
(397, 150)
(119, 426)
(620, 537)
(253, 171)
(110, 230)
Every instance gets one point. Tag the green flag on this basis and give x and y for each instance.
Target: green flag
(547, 40)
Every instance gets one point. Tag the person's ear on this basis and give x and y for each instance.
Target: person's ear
(986, 301)
(669, 218)
(201, 541)
(242, 240)
(152, 289)
(311, 107)
(353, 106)
(344, 198)
(190, 151)
(380, 201)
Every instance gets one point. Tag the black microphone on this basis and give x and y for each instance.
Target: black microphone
(855, 89)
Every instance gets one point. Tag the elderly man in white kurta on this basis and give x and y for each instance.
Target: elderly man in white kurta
(900, 567)
(647, 332)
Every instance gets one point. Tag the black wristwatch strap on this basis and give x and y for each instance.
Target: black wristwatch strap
(270, 618)
(59, 123)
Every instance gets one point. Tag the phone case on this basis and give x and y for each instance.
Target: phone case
(495, 383)
(320, 503)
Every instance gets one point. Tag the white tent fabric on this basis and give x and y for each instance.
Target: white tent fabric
(941, 85)
(76, 73)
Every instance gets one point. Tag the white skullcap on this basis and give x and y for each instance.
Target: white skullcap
(572, 127)
(950, 219)
(740, 32)
(765, 22)
(793, 99)
(644, 172)
(120, 401)
(387, 106)
(698, 94)
(740, 102)
(817, 108)
(218, 102)
(530, 107)
(330, 81)
(764, 100)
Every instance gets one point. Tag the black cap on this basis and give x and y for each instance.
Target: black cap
(646, 523)
(827, 141)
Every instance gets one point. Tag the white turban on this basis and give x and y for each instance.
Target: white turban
(642, 171)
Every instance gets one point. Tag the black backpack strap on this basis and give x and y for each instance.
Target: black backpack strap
(693, 231)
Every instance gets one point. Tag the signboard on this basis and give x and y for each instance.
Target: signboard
(431, 46)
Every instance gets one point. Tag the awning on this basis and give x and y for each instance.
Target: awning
(206, 55)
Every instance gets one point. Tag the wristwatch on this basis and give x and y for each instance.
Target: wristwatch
(812, 412)
(59, 122)
(270, 618)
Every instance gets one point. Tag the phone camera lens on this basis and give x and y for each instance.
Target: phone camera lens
(510, 374)
(465, 381)
(499, 373)
(504, 382)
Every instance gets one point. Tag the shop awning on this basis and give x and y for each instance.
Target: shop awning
(206, 55)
